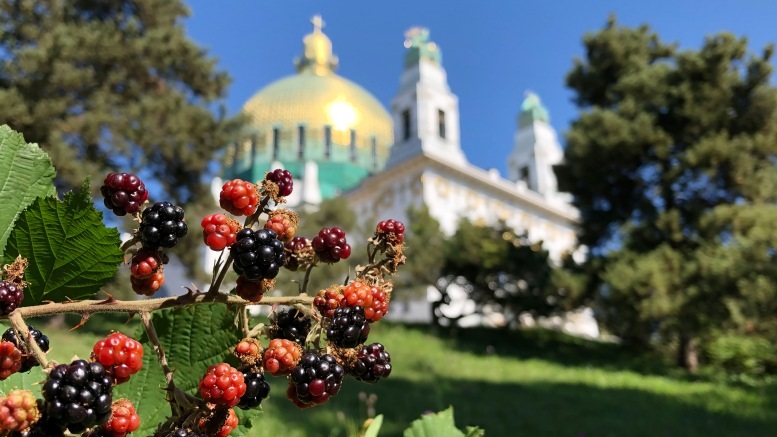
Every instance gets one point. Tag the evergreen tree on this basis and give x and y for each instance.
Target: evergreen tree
(112, 85)
(672, 165)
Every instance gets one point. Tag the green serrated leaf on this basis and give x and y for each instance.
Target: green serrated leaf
(71, 252)
(374, 428)
(26, 173)
(193, 339)
(439, 425)
(24, 381)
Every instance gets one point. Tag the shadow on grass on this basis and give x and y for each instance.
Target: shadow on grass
(536, 409)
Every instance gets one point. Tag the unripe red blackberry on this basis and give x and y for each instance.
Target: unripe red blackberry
(258, 254)
(283, 179)
(124, 193)
(78, 396)
(371, 298)
(11, 296)
(145, 263)
(121, 356)
(296, 251)
(10, 359)
(28, 361)
(124, 420)
(392, 231)
(330, 245)
(222, 385)
(162, 225)
(18, 410)
(291, 325)
(328, 301)
(148, 286)
(349, 327)
(283, 226)
(239, 197)
(257, 390)
(219, 231)
(281, 356)
(250, 290)
(315, 380)
(372, 363)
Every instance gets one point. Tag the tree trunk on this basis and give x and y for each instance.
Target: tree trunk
(688, 353)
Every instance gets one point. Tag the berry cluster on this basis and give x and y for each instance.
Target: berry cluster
(18, 410)
(162, 225)
(121, 356)
(315, 380)
(28, 361)
(283, 179)
(296, 251)
(349, 327)
(78, 396)
(124, 419)
(257, 390)
(249, 290)
(219, 231)
(124, 193)
(258, 254)
(239, 197)
(222, 385)
(330, 245)
(147, 272)
(10, 359)
(372, 363)
(281, 356)
(392, 231)
(11, 297)
(291, 325)
(371, 298)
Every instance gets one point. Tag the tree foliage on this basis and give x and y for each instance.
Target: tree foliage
(672, 166)
(108, 85)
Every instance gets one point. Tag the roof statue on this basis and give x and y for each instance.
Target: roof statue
(419, 47)
(532, 110)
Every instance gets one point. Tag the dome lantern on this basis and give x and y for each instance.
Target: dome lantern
(317, 56)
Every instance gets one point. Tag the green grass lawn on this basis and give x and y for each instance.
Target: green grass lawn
(528, 383)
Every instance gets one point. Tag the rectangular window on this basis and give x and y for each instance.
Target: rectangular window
(327, 142)
(374, 152)
(276, 142)
(301, 142)
(524, 173)
(441, 122)
(406, 124)
(353, 145)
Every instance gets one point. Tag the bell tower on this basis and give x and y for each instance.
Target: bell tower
(425, 111)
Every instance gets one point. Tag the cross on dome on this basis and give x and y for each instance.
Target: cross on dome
(318, 23)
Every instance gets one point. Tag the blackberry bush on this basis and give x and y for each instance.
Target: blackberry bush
(349, 327)
(78, 396)
(162, 225)
(124, 193)
(315, 380)
(28, 361)
(258, 254)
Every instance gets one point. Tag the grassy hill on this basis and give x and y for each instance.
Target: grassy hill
(527, 383)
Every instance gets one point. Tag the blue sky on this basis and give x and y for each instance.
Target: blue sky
(493, 51)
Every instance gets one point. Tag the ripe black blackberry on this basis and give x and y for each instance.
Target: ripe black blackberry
(124, 193)
(11, 297)
(257, 390)
(28, 361)
(44, 427)
(372, 363)
(283, 179)
(315, 379)
(180, 432)
(330, 245)
(291, 325)
(349, 327)
(78, 396)
(258, 254)
(162, 225)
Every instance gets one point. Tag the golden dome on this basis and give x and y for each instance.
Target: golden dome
(317, 98)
